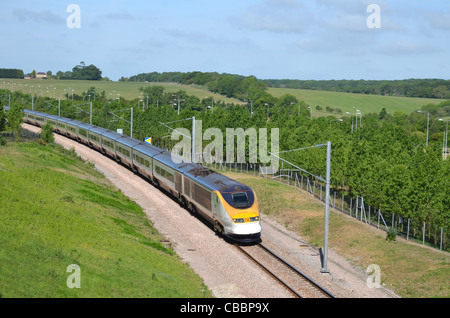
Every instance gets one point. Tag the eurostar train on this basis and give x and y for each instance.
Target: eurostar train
(230, 206)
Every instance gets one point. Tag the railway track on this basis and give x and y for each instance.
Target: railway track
(296, 282)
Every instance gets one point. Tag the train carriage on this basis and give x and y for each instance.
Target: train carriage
(164, 172)
(109, 143)
(124, 147)
(83, 132)
(30, 117)
(143, 159)
(72, 128)
(95, 137)
(61, 125)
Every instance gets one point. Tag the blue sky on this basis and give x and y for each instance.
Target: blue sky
(296, 39)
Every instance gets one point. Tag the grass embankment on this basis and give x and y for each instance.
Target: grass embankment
(56, 210)
(408, 269)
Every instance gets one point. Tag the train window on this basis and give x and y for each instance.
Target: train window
(93, 137)
(108, 144)
(83, 132)
(124, 151)
(240, 199)
(168, 176)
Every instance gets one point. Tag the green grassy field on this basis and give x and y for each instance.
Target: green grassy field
(346, 101)
(128, 90)
(56, 210)
(408, 269)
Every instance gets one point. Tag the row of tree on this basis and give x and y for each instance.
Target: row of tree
(230, 85)
(386, 159)
(11, 73)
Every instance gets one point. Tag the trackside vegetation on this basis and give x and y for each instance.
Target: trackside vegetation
(393, 160)
(410, 270)
(57, 210)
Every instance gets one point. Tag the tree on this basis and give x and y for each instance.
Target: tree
(383, 114)
(92, 73)
(82, 72)
(47, 133)
(2, 120)
(15, 120)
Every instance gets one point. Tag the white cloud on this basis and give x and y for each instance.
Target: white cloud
(407, 47)
(279, 16)
(23, 15)
(439, 20)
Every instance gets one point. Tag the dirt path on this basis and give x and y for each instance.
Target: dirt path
(224, 270)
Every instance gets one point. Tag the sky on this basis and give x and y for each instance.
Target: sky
(270, 39)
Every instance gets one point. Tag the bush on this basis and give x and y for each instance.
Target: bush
(2, 120)
(47, 133)
(391, 234)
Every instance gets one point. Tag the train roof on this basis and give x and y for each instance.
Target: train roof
(98, 130)
(52, 116)
(128, 141)
(112, 135)
(25, 111)
(148, 149)
(64, 119)
(85, 125)
(165, 157)
(215, 181)
(77, 123)
(203, 175)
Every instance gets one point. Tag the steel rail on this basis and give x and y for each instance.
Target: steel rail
(303, 275)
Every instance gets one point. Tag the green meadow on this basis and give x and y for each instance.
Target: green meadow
(57, 210)
(349, 102)
(128, 90)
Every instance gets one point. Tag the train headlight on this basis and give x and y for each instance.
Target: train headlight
(241, 220)
(254, 219)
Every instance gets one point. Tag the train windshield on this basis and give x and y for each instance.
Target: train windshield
(240, 199)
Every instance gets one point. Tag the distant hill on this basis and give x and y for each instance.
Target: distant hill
(424, 88)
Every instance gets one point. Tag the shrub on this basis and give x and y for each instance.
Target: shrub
(391, 234)
(47, 133)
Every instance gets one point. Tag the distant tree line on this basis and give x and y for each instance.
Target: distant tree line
(230, 85)
(11, 73)
(249, 87)
(426, 88)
